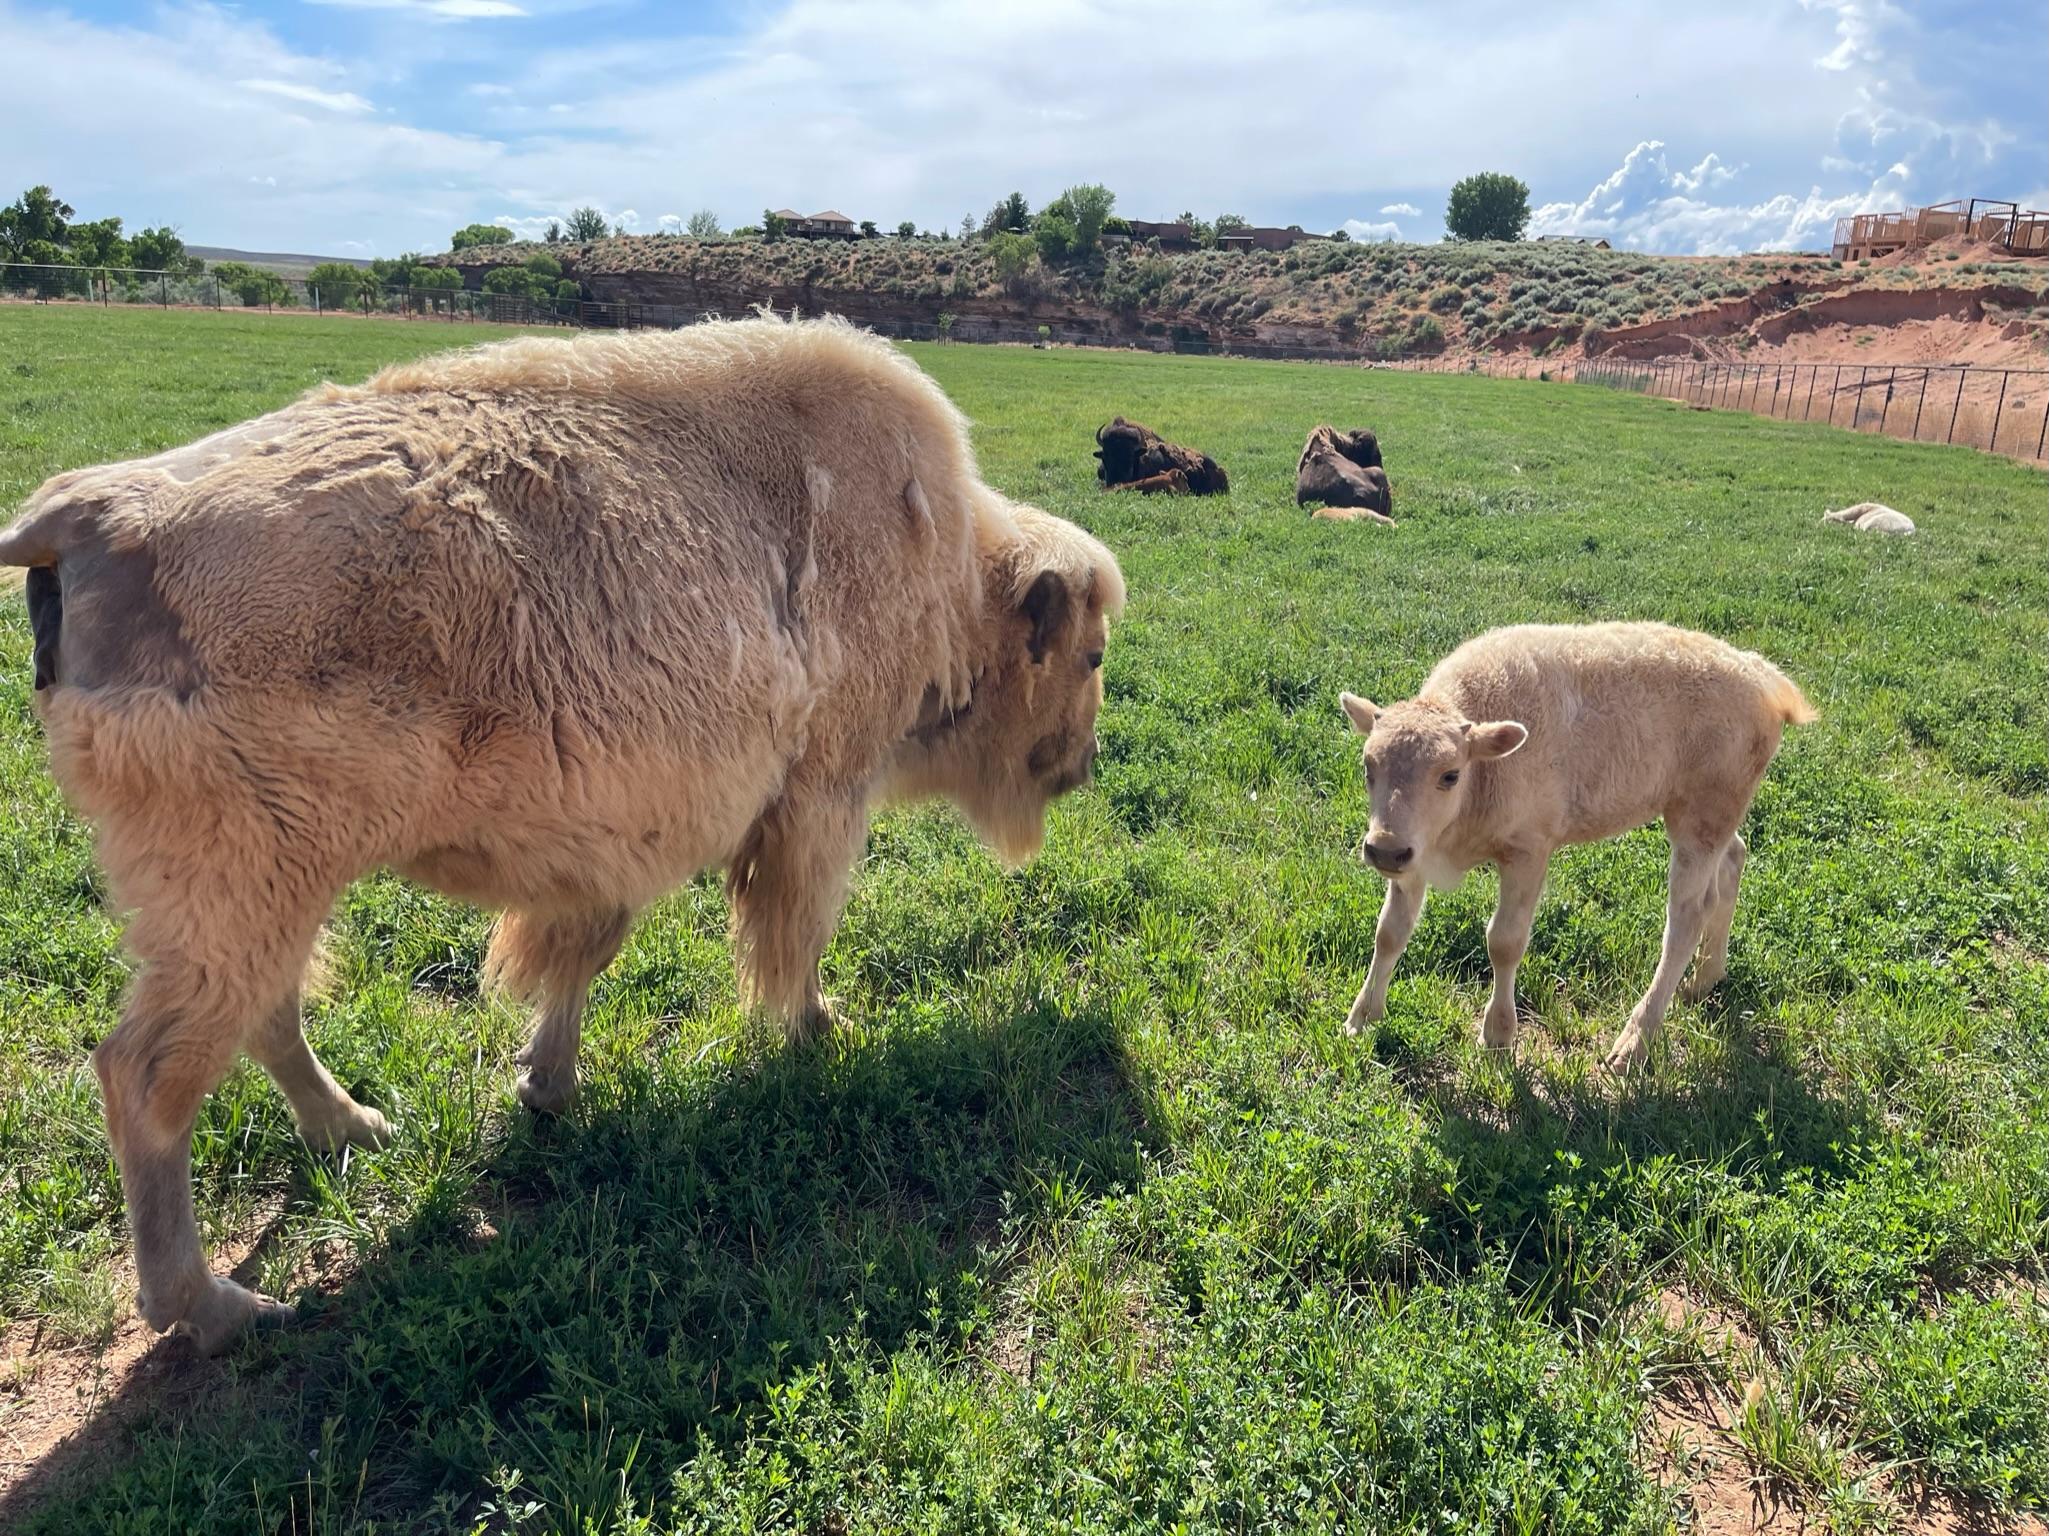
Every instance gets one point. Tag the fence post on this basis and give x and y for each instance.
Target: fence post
(1919, 401)
(1951, 435)
(164, 290)
(1999, 410)
(2042, 436)
(1886, 414)
(1813, 373)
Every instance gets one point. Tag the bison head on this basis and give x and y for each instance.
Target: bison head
(1027, 734)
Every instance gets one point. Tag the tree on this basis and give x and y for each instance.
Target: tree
(1013, 254)
(252, 285)
(479, 234)
(1012, 213)
(436, 277)
(554, 234)
(1226, 222)
(1489, 206)
(773, 225)
(1084, 210)
(38, 214)
(1054, 234)
(968, 227)
(1340, 234)
(906, 230)
(868, 229)
(157, 250)
(336, 284)
(704, 224)
(1199, 230)
(586, 224)
(98, 244)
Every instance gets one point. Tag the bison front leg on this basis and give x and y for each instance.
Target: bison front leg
(1398, 916)
(321, 1108)
(787, 885)
(1508, 936)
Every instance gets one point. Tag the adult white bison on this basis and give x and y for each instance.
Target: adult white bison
(550, 626)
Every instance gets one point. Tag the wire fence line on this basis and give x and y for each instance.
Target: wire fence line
(2001, 410)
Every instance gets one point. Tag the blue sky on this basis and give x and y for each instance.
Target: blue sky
(366, 127)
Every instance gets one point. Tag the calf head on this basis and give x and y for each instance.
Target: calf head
(1028, 733)
(1122, 446)
(1418, 757)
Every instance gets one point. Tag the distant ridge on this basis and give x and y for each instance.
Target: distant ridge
(283, 263)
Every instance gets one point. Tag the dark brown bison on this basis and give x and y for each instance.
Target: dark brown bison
(1135, 458)
(1343, 471)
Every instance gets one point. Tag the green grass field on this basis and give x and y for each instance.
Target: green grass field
(1092, 1220)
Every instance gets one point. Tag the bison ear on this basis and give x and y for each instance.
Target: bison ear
(1497, 738)
(1044, 607)
(1361, 712)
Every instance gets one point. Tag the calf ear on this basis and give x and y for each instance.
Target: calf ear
(1361, 712)
(1044, 608)
(1496, 738)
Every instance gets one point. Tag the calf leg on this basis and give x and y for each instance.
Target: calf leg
(1508, 936)
(1398, 916)
(787, 885)
(1686, 907)
(321, 1108)
(1712, 963)
(552, 957)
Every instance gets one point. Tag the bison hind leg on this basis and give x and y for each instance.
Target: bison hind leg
(550, 958)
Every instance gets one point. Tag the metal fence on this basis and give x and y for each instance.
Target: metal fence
(2002, 410)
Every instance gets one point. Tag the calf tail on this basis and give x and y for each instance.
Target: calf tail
(1783, 695)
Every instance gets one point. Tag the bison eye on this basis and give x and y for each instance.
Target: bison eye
(1448, 780)
(1095, 660)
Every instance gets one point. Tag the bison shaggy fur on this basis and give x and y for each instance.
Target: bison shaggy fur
(1136, 458)
(550, 626)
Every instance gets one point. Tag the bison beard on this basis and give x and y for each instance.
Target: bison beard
(1136, 458)
(1343, 471)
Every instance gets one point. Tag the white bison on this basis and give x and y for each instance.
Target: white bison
(1533, 737)
(550, 626)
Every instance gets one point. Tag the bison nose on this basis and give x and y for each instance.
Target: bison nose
(1387, 858)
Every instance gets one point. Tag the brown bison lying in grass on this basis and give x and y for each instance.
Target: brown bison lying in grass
(1343, 471)
(1136, 458)
(550, 626)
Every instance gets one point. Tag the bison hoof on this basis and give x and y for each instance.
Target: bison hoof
(548, 1090)
(817, 1021)
(1629, 1052)
(224, 1309)
(1497, 1033)
(352, 1125)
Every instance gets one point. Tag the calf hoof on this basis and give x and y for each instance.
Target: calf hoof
(814, 1023)
(548, 1090)
(223, 1310)
(1698, 987)
(354, 1126)
(1497, 1033)
(1629, 1051)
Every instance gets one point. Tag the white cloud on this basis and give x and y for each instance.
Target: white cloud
(450, 10)
(927, 109)
(334, 101)
(627, 219)
(1359, 229)
(669, 223)
(1646, 205)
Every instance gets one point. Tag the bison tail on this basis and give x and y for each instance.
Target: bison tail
(1783, 695)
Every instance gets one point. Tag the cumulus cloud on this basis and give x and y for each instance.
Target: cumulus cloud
(1359, 229)
(1406, 210)
(1644, 204)
(669, 223)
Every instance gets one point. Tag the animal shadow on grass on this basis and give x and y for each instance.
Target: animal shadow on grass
(613, 1287)
(1541, 1156)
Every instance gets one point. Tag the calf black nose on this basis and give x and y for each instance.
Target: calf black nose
(1389, 859)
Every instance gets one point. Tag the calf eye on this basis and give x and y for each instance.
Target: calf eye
(1448, 780)
(1095, 660)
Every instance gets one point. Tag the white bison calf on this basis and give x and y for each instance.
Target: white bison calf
(550, 626)
(1530, 738)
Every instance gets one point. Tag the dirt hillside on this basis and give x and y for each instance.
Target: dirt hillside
(1345, 299)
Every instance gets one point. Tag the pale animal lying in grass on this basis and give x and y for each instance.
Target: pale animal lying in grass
(1530, 738)
(550, 626)
(1871, 517)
